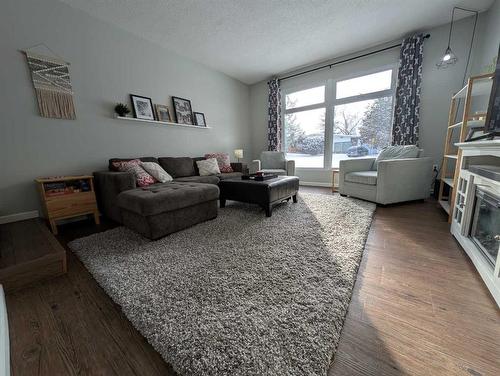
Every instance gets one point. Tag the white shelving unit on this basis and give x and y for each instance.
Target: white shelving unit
(162, 123)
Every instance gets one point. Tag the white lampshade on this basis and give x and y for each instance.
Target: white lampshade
(238, 153)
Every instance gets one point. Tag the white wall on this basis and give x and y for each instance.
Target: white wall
(107, 64)
(489, 38)
(437, 86)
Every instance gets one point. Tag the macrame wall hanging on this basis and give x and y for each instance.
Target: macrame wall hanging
(52, 84)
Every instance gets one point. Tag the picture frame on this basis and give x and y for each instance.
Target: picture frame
(199, 119)
(162, 113)
(183, 111)
(143, 107)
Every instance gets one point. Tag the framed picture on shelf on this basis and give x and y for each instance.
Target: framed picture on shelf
(162, 113)
(182, 109)
(199, 119)
(143, 107)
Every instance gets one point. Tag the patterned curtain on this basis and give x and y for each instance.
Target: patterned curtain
(274, 120)
(407, 108)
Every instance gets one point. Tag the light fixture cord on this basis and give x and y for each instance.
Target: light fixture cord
(470, 48)
(451, 25)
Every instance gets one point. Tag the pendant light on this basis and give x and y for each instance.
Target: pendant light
(449, 58)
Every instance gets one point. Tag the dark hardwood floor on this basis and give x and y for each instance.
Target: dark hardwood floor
(418, 308)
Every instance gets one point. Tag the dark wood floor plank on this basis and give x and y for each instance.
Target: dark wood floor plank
(419, 308)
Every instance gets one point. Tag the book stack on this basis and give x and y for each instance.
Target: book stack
(65, 188)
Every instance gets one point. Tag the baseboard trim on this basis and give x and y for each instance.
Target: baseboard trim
(19, 217)
(315, 184)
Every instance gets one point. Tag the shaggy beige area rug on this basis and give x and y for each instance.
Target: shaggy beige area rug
(242, 294)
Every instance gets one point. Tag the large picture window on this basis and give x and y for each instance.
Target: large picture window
(305, 127)
(358, 126)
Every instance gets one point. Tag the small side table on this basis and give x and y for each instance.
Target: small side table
(66, 197)
(335, 172)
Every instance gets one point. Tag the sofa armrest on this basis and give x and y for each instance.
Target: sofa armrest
(404, 179)
(254, 166)
(290, 167)
(239, 167)
(108, 185)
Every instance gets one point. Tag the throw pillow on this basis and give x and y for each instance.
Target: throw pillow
(397, 152)
(155, 170)
(208, 167)
(142, 178)
(178, 167)
(222, 161)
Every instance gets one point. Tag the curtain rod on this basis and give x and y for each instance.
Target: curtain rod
(345, 60)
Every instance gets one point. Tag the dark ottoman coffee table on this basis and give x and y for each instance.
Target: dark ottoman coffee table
(264, 193)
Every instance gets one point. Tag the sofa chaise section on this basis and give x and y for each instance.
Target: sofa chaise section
(161, 209)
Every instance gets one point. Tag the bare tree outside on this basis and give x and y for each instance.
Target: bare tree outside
(293, 132)
(376, 125)
(346, 123)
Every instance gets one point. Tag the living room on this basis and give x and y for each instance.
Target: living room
(250, 188)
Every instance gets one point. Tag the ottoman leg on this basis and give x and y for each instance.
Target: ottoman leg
(294, 198)
(269, 210)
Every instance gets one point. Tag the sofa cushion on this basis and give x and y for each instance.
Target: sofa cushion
(272, 160)
(156, 171)
(178, 167)
(230, 175)
(397, 152)
(222, 160)
(160, 198)
(196, 159)
(362, 177)
(200, 179)
(142, 177)
(208, 167)
(142, 159)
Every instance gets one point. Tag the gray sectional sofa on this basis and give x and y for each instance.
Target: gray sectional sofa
(162, 208)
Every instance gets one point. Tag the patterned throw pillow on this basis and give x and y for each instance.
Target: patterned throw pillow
(222, 161)
(208, 167)
(142, 178)
(155, 170)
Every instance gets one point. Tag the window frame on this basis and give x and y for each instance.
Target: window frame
(330, 84)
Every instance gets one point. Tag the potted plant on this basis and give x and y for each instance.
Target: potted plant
(122, 109)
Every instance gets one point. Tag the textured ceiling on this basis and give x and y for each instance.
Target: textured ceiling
(251, 40)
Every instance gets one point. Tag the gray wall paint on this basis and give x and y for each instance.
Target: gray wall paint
(437, 85)
(106, 65)
(489, 38)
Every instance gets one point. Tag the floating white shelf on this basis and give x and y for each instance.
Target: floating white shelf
(470, 123)
(161, 122)
(480, 87)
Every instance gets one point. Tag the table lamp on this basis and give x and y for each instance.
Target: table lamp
(238, 153)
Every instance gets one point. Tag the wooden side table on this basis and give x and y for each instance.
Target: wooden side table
(66, 197)
(335, 171)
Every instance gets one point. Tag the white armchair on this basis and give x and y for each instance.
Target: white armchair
(273, 162)
(387, 181)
